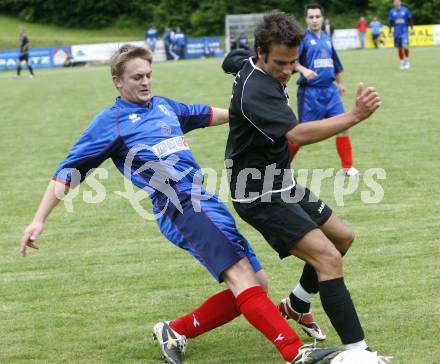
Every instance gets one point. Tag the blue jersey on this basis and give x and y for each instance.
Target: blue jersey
(152, 34)
(146, 143)
(179, 39)
(319, 55)
(400, 19)
(375, 27)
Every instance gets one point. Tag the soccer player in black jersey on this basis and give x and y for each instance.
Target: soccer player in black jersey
(290, 217)
(24, 52)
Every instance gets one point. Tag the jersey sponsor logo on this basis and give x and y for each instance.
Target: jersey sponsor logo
(134, 118)
(170, 146)
(323, 63)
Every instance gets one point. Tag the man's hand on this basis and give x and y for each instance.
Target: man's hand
(30, 234)
(412, 32)
(341, 89)
(367, 102)
(309, 74)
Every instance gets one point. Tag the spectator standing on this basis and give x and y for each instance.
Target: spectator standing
(328, 28)
(151, 38)
(243, 41)
(167, 41)
(179, 44)
(233, 42)
(361, 27)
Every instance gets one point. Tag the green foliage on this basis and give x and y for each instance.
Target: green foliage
(195, 17)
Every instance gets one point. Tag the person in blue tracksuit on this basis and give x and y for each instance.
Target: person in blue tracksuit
(144, 137)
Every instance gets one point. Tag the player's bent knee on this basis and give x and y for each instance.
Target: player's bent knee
(240, 277)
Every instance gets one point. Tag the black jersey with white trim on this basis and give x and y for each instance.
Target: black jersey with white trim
(259, 118)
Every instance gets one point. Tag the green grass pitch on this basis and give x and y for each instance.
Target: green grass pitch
(103, 276)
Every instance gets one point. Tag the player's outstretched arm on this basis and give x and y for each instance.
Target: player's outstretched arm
(367, 102)
(219, 116)
(47, 204)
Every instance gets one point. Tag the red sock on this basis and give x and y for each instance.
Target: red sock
(406, 50)
(401, 56)
(216, 311)
(343, 146)
(259, 310)
(293, 150)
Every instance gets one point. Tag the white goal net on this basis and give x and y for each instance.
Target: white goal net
(240, 25)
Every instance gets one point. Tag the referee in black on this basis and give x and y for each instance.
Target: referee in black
(290, 217)
(24, 53)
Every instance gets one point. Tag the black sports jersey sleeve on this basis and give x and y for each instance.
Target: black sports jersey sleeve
(266, 107)
(235, 60)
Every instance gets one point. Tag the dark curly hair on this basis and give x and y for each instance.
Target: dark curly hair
(277, 27)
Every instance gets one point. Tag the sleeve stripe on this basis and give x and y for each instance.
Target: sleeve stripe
(211, 115)
(61, 181)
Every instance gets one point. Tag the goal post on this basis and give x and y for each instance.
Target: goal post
(238, 24)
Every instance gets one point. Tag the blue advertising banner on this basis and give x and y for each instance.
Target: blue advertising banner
(38, 57)
(203, 47)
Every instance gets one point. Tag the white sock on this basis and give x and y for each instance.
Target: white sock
(359, 345)
(302, 294)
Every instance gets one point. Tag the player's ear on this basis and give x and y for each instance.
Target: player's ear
(117, 81)
(261, 54)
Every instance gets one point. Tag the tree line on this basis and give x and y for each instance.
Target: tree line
(197, 17)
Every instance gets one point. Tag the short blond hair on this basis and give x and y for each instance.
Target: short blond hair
(126, 53)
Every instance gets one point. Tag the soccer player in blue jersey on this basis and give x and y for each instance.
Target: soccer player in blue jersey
(318, 96)
(399, 19)
(375, 26)
(144, 136)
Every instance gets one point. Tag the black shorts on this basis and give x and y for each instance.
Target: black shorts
(375, 36)
(24, 57)
(283, 223)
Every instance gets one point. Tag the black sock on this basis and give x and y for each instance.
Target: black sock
(18, 70)
(299, 305)
(30, 69)
(339, 307)
(309, 279)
